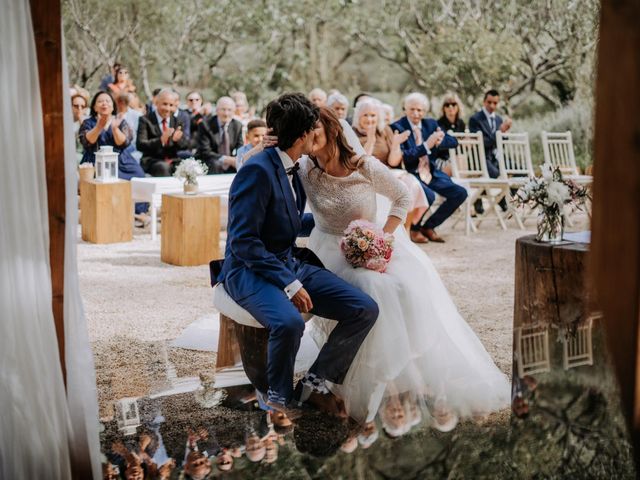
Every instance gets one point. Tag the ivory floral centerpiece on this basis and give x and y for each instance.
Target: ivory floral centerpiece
(550, 193)
(190, 169)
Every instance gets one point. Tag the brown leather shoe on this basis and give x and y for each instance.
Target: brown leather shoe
(417, 237)
(431, 234)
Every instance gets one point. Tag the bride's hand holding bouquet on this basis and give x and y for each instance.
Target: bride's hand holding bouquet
(366, 245)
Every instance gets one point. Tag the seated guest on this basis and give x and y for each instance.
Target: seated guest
(256, 130)
(196, 115)
(243, 114)
(378, 140)
(79, 110)
(109, 78)
(151, 105)
(160, 137)
(449, 121)
(132, 117)
(318, 97)
(135, 103)
(339, 104)
(418, 155)
(103, 127)
(220, 137)
(387, 113)
(122, 82)
(183, 118)
(488, 122)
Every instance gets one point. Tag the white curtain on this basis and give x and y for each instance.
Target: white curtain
(38, 435)
(82, 394)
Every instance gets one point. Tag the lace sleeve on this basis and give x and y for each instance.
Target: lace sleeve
(386, 184)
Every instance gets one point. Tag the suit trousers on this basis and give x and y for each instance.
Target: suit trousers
(454, 196)
(333, 298)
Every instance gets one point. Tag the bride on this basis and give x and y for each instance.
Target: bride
(420, 348)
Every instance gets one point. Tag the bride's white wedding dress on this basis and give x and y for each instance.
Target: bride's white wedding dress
(420, 347)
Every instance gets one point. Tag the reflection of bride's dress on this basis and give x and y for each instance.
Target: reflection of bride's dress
(420, 345)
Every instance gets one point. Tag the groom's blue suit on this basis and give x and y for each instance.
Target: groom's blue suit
(264, 222)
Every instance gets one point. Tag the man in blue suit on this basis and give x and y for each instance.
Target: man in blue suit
(418, 155)
(262, 274)
(487, 121)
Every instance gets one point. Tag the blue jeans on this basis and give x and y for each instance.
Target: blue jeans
(454, 196)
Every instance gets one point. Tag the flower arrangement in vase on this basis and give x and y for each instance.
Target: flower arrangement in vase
(190, 169)
(550, 193)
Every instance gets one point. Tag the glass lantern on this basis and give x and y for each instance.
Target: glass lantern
(106, 164)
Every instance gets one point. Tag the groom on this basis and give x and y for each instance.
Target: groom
(261, 273)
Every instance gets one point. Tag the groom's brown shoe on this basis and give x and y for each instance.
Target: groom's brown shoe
(324, 402)
(431, 234)
(418, 237)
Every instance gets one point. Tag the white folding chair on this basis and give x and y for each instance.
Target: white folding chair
(514, 162)
(469, 169)
(558, 151)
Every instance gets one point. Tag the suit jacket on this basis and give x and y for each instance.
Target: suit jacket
(209, 142)
(478, 122)
(411, 152)
(264, 222)
(148, 141)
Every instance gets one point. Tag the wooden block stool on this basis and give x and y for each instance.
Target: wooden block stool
(242, 338)
(107, 211)
(190, 229)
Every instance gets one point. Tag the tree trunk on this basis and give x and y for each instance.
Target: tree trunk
(550, 284)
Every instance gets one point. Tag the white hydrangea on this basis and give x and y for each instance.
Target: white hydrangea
(547, 171)
(558, 193)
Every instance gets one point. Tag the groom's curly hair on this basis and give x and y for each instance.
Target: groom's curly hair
(291, 115)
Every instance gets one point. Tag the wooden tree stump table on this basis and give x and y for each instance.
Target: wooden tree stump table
(107, 211)
(550, 283)
(190, 229)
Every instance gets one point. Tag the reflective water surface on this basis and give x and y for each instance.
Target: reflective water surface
(159, 422)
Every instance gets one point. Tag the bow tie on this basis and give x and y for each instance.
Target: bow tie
(292, 170)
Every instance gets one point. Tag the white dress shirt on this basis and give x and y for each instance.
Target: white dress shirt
(287, 163)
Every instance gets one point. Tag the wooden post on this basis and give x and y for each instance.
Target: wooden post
(615, 259)
(47, 28)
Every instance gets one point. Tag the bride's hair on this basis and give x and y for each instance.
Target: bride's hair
(336, 140)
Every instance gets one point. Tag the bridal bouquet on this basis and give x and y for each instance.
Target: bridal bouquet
(550, 194)
(366, 245)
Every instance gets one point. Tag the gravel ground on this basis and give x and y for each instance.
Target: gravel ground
(135, 304)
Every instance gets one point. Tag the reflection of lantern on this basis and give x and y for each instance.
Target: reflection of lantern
(106, 164)
(127, 415)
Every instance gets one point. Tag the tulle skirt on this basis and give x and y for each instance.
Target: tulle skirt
(420, 355)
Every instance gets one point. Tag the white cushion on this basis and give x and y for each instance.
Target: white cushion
(229, 308)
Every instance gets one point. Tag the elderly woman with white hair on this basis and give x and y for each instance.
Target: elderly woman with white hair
(339, 104)
(379, 141)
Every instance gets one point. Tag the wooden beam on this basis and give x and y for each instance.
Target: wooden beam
(47, 27)
(615, 260)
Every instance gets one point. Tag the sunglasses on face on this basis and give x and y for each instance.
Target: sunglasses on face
(450, 104)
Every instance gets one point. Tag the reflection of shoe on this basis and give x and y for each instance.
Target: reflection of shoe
(418, 237)
(444, 421)
(477, 206)
(431, 234)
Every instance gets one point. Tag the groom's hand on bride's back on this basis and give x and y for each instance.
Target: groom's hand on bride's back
(302, 301)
